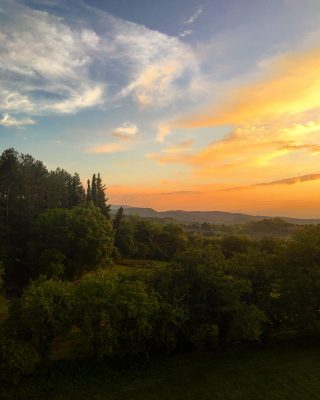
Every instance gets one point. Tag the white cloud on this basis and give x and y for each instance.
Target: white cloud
(185, 33)
(158, 62)
(194, 16)
(126, 131)
(51, 64)
(9, 121)
(45, 64)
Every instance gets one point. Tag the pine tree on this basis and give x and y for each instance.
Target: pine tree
(89, 194)
(94, 191)
(117, 219)
(96, 195)
(101, 197)
(76, 193)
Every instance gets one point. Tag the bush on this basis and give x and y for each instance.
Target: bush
(17, 360)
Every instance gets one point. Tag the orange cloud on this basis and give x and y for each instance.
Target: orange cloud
(109, 148)
(285, 181)
(276, 126)
(292, 86)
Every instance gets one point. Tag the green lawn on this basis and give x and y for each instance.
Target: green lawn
(278, 374)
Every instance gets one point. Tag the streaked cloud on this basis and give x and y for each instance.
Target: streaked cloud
(51, 64)
(285, 181)
(291, 86)
(10, 121)
(116, 147)
(180, 147)
(125, 134)
(275, 125)
(185, 33)
(194, 16)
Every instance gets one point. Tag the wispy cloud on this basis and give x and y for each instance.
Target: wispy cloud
(194, 16)
(180, 147)
(285, 181)
(109, 148)
(275, 123)
(51, 64)
(126, 131)
(292, 86)
(180, 192)
(185, 33)
(125, 134)
(10, 121)
(156, 83)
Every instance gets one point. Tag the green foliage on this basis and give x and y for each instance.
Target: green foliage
(139, 238)
(69, 242)
(96, 195)
(206, 285)
(117, 219)
(17, 359)
(300, 281)
(200, 285)
(235, 244)
(46, 310)
(114, 314)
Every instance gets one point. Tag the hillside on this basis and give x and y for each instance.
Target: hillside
(214, 217)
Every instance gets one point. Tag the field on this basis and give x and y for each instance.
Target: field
(270, 374)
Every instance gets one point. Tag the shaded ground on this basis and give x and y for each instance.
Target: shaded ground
(274, 374)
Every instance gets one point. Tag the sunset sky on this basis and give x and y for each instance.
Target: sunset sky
(179, 104)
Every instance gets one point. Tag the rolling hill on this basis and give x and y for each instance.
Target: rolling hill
(213, 217)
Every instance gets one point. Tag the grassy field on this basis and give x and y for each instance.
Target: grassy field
(278, 374)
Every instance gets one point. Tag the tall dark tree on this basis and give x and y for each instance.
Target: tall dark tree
(88, 194)
(76, 194)
(102, 198)
(117, 219)
(96, 195)
(94, 190)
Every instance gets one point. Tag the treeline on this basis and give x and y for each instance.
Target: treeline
(208, 292)
(28, 189)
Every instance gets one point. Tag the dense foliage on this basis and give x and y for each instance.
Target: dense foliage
(206, 290)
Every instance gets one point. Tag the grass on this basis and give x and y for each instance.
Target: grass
(291, 373)
(138, 268)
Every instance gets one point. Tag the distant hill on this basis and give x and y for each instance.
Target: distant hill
(213, 217)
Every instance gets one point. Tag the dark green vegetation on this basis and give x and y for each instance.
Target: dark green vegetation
(216, 217)
(82, 288)
(289, 373)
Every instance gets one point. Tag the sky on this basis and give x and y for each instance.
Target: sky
(179, 104)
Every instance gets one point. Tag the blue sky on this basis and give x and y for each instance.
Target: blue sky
(99, 85)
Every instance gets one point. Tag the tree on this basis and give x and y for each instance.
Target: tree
(114, 314)
(199, 284)
(102, 198)
(88, 193)
(118, 218)
(96, 193)
(76, 193)
(46, 309)
(71, 241)
(299, 284)
(124, 239)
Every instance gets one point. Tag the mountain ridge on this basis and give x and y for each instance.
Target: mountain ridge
(214, 217)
